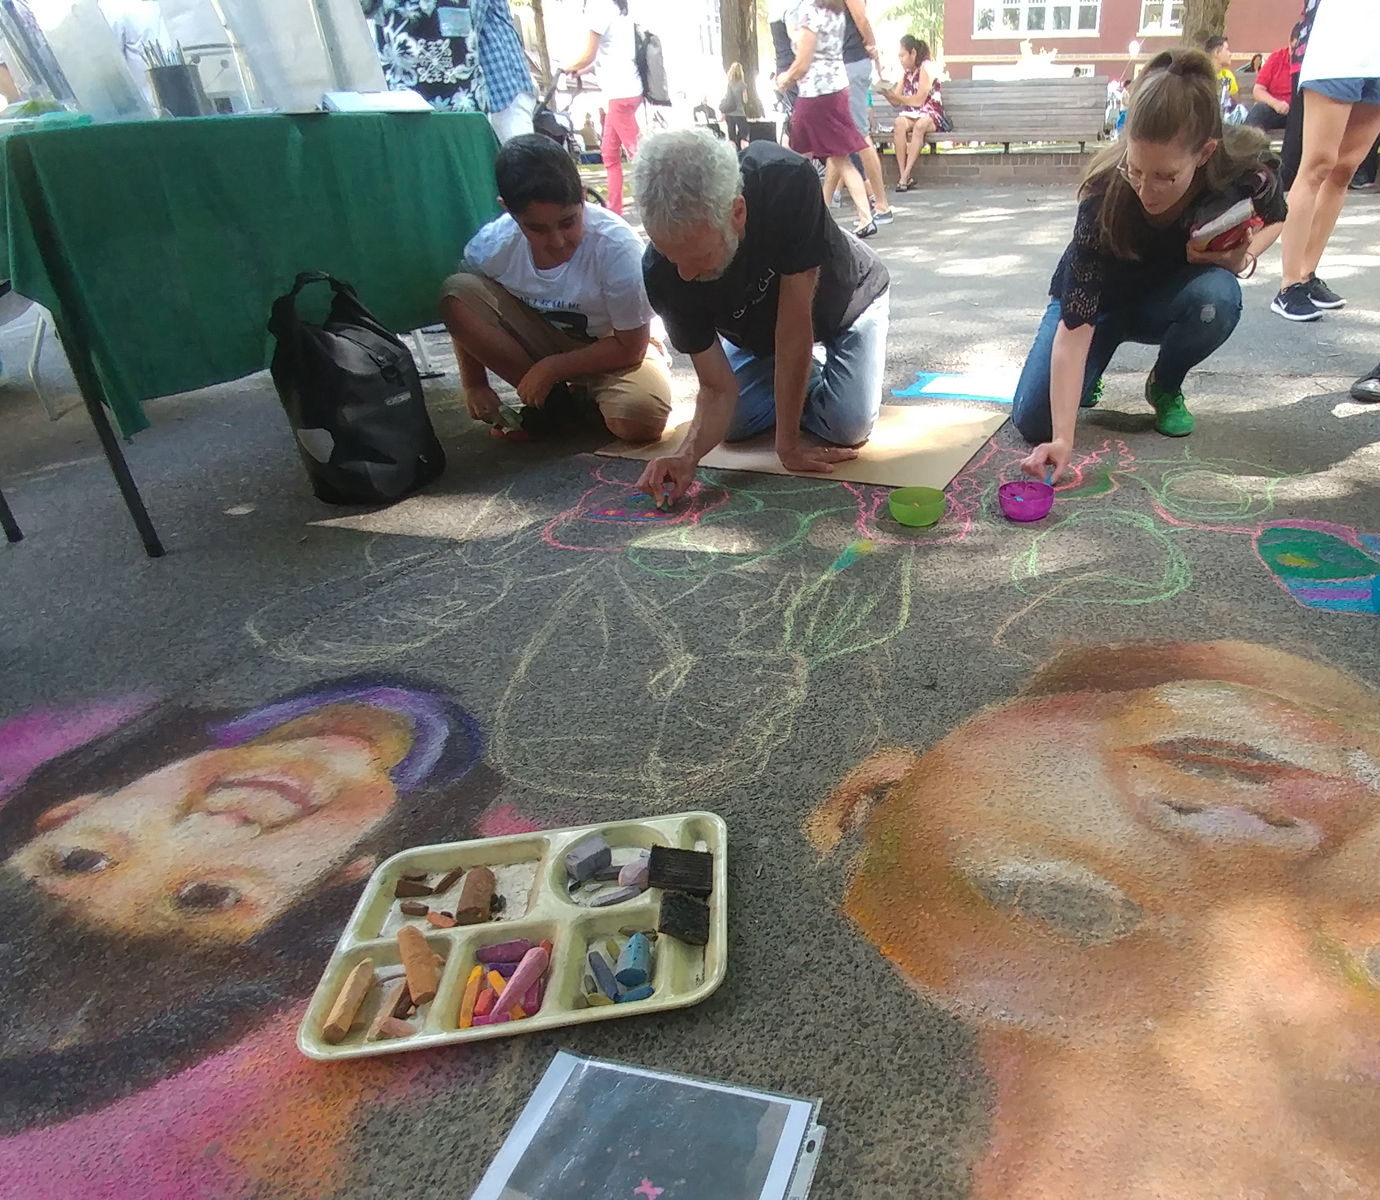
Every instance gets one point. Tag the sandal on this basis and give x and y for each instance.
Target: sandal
(906, 186)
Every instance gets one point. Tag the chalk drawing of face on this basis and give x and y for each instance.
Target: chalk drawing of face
(219, 844)
(1153, 884)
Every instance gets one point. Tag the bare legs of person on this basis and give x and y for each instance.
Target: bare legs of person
(872, 164)
(910, 141)
(480, 344)
(1336, 137)
(839, 169)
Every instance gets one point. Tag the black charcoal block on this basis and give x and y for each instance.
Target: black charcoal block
(684, 918)
(681, 870)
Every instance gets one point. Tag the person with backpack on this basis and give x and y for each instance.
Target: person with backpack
(551, 295)
(1131, 272)
(611, 53)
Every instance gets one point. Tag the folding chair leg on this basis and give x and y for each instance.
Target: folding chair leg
(35, 354)
(424, 365)
(8, 523)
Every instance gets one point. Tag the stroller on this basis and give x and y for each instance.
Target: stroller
(557, 124)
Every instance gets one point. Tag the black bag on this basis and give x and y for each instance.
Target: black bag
(651, 67)
(354, 401)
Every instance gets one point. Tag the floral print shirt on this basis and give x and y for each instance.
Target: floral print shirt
(432, 51)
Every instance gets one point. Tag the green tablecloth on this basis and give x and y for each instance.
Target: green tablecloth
(159, 246)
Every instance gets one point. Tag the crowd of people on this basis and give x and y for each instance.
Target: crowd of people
(784, 314)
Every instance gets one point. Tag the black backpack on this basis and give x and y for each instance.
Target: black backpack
(354, 401)
(651, 67)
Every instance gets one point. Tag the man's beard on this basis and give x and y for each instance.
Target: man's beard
(731, 244)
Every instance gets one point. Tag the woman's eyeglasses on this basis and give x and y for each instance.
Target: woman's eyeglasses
(1159, 184)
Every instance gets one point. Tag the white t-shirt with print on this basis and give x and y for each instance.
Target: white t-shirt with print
(1345, 42)
(599, 290)
(615, 66)
(826, 73)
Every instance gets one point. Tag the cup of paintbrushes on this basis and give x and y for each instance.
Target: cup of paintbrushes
(178, 90)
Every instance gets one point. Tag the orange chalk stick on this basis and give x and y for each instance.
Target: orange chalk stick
(394, 1027)
(347, 1002)
(470, 996)
(475, 894)
(394, 996)
(485, 1002)
(441, 920)
(418, 963)
(498, 983)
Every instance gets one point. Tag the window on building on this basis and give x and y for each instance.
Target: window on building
(1012, 18)
(1161, 16)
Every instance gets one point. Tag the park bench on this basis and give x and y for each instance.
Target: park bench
(1013, 110)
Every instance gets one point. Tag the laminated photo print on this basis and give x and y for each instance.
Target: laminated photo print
(599, 1131)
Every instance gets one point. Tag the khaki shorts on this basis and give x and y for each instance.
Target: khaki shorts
(641, 394)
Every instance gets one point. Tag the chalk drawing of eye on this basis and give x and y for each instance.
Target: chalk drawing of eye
(1068, 900)
(79, 861)
(205, 897)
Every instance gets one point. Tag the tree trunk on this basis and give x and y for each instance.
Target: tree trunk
(739, 21)
(1204, 19)
(539, 17)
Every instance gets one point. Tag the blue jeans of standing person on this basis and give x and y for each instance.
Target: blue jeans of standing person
(844, 392)
(1188, 317)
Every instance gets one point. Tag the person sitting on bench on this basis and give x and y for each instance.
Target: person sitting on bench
(550, 295)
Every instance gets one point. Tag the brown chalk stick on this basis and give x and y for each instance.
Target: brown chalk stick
(419, 964)
(347, 1002)
(413, 908)
(448, 880)
(410, 887)
(393, 1027)
(394, 996)
(478, 890)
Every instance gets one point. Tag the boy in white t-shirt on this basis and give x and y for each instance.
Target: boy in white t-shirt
(551, 294)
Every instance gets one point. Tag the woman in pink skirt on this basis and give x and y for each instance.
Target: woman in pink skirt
(821, 126)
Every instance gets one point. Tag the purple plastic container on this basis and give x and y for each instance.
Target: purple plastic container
(1025, 499)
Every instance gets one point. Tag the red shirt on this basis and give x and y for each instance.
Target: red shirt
(1274, 76)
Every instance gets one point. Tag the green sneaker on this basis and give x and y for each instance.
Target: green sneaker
(1172, 417)
(1095, 395)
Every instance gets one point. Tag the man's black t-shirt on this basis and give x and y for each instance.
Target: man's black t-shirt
(788, 231)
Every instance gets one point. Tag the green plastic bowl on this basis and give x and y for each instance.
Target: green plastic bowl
(917, 505)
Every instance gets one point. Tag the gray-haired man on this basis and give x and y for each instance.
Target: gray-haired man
(749, 272)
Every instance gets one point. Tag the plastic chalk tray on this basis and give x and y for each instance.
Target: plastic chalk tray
(540, 904)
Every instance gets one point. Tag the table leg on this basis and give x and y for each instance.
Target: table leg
(8, 523)
(120, 469)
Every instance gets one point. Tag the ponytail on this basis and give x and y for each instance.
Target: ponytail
(1175, 99)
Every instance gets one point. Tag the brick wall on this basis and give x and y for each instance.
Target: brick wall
(1036, 168)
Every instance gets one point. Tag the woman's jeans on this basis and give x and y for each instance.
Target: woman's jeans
(1188, 318)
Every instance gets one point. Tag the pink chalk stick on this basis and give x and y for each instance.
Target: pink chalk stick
(493, 1018)
(531, 1002)
(529, 971)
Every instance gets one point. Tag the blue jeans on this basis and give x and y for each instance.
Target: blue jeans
(843, 394)
(1188, 318)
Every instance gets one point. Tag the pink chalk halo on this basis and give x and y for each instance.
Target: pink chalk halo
(1025, 499)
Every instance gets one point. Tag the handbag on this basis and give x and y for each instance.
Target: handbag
(353, 399)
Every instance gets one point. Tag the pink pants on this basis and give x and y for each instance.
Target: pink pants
(620, 133)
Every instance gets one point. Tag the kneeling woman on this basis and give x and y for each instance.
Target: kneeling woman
(1129, 274)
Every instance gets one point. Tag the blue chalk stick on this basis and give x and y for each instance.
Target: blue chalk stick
(603, 974)
(634, 963)
(637, 993)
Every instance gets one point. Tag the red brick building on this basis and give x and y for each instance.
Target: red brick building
(1096, 33)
